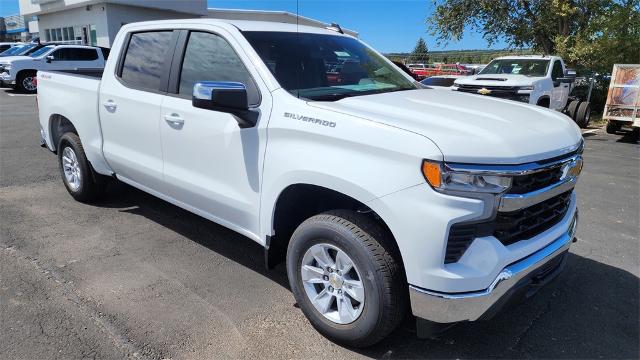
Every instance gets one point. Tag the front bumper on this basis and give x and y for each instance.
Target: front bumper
(526, 274)
(7, 78)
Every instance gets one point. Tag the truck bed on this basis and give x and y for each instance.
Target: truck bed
(72, 95)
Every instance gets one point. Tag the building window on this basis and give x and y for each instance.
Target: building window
(72, 34)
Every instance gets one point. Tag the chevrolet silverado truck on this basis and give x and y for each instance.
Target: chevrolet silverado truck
(380, 195)
(539, 80)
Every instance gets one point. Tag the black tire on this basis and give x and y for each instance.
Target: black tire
(21, 78)
(91, 185)
(583, 115)
(544, 102)
(374, 253)
(572, 109)
(613, 127)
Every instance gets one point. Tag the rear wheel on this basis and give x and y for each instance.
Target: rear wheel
(77, 175)
(346, 277)
(583, 115)
(572, 109)
(613, 126)
(25, 82)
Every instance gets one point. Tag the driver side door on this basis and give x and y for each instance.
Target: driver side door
(560, 92)
(211, 165)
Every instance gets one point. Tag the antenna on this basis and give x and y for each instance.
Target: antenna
(335, 27)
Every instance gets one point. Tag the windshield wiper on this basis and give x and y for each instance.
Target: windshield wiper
(331, 97)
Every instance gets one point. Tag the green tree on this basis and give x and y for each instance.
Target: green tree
(420, 52)
(589, 34)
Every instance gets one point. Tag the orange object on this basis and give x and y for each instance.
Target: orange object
(431, 172)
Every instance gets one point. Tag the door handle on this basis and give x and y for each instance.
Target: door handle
(174, 119)
(110, 105)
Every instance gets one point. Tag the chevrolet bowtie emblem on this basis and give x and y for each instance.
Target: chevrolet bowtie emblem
(484, 91)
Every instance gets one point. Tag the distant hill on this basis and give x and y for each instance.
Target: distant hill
(461, 56)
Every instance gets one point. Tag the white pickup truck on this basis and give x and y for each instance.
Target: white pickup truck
(20, 71)
(535, 79)
(379, 194)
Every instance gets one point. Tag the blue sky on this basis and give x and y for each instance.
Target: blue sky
(387, 25)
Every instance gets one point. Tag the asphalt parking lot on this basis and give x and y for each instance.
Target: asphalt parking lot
(134, 276)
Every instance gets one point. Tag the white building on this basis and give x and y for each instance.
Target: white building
(96, 22)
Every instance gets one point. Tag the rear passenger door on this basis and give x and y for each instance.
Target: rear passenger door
(130, 102)
(81, 58)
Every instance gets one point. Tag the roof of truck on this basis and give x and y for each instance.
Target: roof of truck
(244, 25)
(532, 57)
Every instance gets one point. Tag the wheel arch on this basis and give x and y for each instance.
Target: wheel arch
(58, 126)
(544, 101)
(299, 201)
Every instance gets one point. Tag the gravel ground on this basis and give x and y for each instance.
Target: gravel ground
(134, 276)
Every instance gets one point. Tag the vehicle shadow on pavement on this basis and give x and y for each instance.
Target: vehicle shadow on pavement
(225, 242)
(590, 311)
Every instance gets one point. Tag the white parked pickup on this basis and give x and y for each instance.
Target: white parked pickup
(380, 195)
(535, 79)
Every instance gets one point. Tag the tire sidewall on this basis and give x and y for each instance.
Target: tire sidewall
(21, 78)
(70, 141)
(323, 232)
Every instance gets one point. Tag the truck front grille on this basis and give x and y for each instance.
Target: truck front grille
(508, 227)
(523, 184)
(498, 91)
(511, 227)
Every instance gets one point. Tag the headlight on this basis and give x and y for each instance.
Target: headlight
(526, 88)
(7, 67)
(443, 179)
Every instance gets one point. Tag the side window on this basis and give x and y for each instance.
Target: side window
(144, 60)
(58, 55)
(557, 72)
(208, 57)
(83, 55)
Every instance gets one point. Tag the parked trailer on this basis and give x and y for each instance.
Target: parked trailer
(623, 100)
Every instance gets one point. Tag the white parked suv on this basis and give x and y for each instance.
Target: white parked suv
(20, 71)
(379, 194)
(539, 80)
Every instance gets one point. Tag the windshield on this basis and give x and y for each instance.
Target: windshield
(527, 67)
(326, 67)
(18, 50)
(12, 50)
(41, 51)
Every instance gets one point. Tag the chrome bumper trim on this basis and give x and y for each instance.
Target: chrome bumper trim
(513, 202)
(469, 306)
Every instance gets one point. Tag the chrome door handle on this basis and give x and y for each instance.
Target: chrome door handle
(174, 119)
(110, 105)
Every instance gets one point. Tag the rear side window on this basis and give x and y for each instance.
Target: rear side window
(144, 60)
(71, 54)
(557, 72)
(208, 57)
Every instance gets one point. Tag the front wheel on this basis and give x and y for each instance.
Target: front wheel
(345, 275)
(25, 82)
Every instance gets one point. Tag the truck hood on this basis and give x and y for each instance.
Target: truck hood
(498, 80)
(10, 59)
(469, 128)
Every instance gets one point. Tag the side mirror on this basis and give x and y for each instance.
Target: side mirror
(225, 96)
(49, 58)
